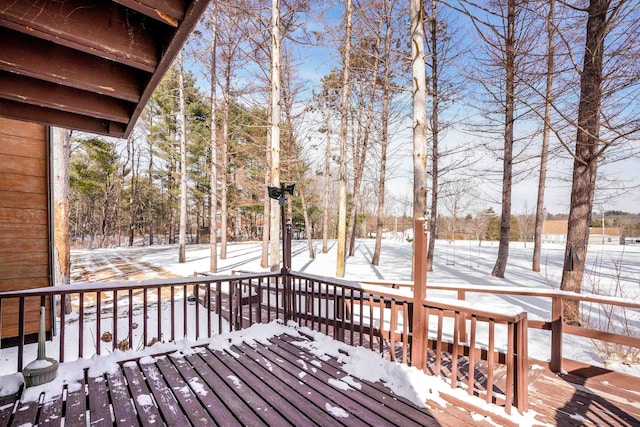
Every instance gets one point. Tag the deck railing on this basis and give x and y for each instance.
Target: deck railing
(555, 299)
(195, 308)
(162, 310)
(382, 319)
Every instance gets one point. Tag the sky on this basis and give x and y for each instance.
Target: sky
(315, 61)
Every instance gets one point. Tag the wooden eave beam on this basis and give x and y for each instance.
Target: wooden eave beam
(192, 15)
(49, 95)
(170, 12)
(100, 28)
(32, 113)
(22, 54)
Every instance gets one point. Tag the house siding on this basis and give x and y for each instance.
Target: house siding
(24, 219)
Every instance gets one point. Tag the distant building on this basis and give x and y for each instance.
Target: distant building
(555, 231)
(632, 240)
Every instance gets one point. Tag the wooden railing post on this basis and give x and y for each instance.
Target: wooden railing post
(556, 333)
(418, 345)
(462, 326)
(522, 364)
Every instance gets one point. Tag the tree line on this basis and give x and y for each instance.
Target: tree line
(529, 83)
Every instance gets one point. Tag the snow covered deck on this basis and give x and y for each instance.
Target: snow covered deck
(277, 375)
(277, 382)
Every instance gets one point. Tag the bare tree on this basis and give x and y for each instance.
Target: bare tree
(544, 153)
(384, 138)
(61, 241)
(602, 18)
(182, 118)
(419, 113)
(274, 134)
(344, 110)
(506, 39)
(213, 99)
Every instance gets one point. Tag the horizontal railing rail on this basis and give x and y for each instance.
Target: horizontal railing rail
(555, 323)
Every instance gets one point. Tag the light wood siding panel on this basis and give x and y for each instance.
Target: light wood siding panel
(24, 219)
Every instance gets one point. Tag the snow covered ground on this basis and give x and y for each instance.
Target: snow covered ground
(610, 270)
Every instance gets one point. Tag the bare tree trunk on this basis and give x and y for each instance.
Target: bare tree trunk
(344, 110)
(224, 162)
(133, 193)
(419, 114)
(266, 206)
(182, 255)
(507, 168)
(435, 129)
(275, 134)
(327, 176)
(384, 139)
(360, 159)
(213, 215)
(586, 154)
(537, 238)
(60, 139)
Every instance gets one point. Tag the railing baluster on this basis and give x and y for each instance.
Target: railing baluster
(172, 310)
(98, 321)
(159, 320)
(454, 353)
(20, 333)
(219, 305)
(208, 297)
(114, 340)
(491, 359)
(80, 325)
(361, 314)
(63, 313)
(130, 346)
(510, 367)
(145, 329)
(185, 314)
(260, 302)
(381, 328)
(439, 344)
(472, 356)
(196, 295)
(393, 324)
(371, 329)
(250, 296)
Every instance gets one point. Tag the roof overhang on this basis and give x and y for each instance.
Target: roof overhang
(89, 65)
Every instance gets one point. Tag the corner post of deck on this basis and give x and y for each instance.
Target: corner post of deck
(286, 258)
(556, 333)
(419, 333)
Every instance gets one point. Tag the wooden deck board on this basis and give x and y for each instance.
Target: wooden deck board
(26, 414)
(281, 383)
(99, 411)
(147, 411)
(124, 412)
(76, 405)
(6, 409)
(50, 414)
